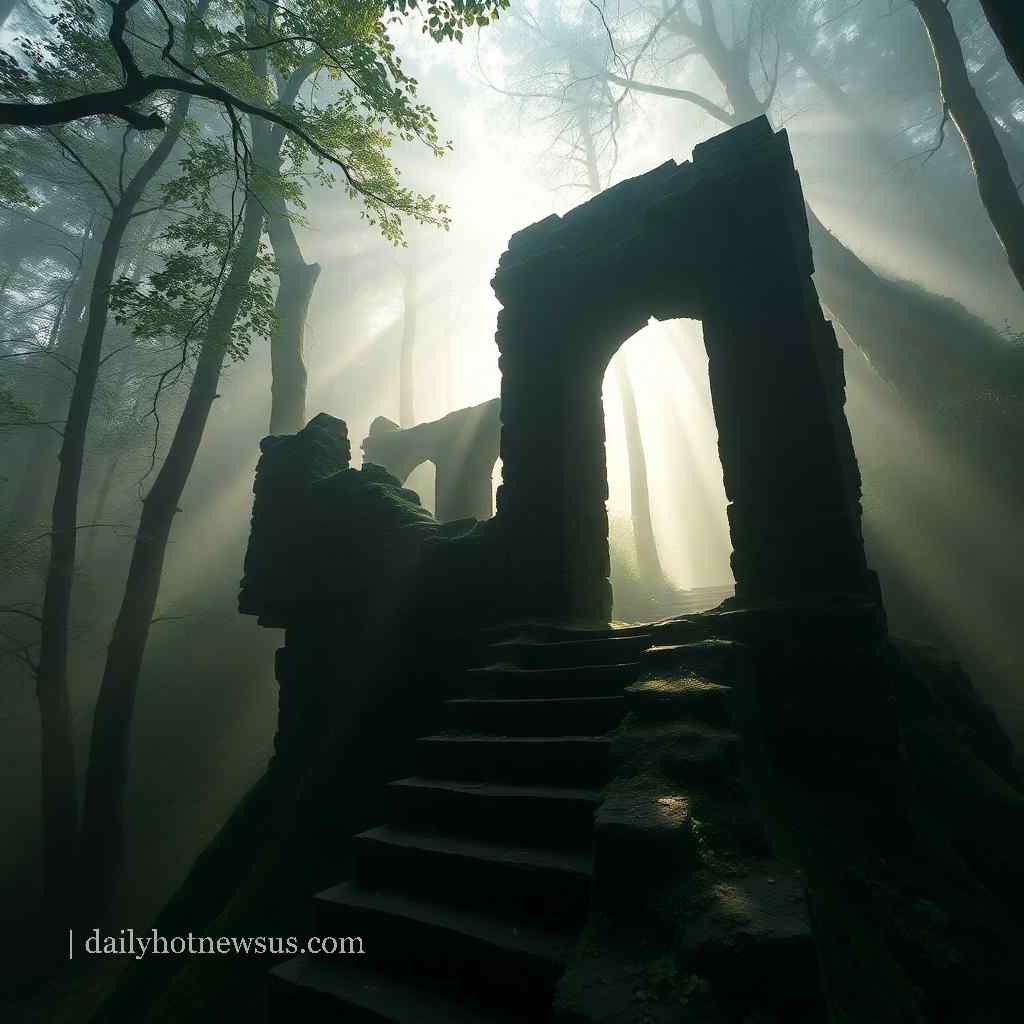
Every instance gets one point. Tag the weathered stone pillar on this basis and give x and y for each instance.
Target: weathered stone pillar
(278, 555)
(551, 502)
(777, 381)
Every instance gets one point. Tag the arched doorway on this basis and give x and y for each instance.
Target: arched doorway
(662, 458)
(724, 240)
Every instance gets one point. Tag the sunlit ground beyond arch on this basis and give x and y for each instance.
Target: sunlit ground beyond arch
(668, 368)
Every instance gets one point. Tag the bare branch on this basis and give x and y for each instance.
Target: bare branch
(717, 112)
(941, 134)
(608, 32)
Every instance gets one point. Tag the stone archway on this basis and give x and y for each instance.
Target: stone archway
(463, 446)
(722, 239)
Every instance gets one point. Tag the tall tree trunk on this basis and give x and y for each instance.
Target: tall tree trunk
(59, 785)
(107, 775)
(296, 281)
(1007, 21)
(998, 192)
(648, 563)
(42, 450)
(117, 396)
(928, 347)
(925, 345)
(1012, 145)
(41, 455)
(406, 374)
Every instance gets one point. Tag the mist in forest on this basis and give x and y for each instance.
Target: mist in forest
(546, 106)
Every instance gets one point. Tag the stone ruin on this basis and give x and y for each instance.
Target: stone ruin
(738, 815)
(723, 239)
(463, 447)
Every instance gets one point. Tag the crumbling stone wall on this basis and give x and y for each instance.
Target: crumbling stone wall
(463, 446)
(723, 239)
(279, 538)
(324, 534)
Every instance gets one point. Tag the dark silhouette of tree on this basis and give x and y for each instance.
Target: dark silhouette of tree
(960, 103)
(1007, 21)
(59, 785)
(102, 840)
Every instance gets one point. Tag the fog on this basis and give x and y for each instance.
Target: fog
(942, 530)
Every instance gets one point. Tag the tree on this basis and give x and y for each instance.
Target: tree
(59, 785)
(223, 331)
(1005, 18)
(960, 102)
(744, 46)
(248, 58)
(296, 278)
(443, 20)
(296, 281)
(56, 238)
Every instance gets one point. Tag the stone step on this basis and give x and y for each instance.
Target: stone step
(549, 888)
(754, 943)
(704, 755)
(443, 947)
(538, 716)
(700, 599)
(689, 753)
(720, 661)
(547, 632)
(660, 699)
(317, 990)
(547, 815)
(552, 760)
(506, 682)
(525, 652)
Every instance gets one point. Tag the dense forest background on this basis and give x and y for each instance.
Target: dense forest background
(198, 267)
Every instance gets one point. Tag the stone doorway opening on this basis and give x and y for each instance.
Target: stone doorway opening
(723, 239)
(668, 530)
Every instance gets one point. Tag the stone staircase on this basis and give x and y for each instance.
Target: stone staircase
(469, 900)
